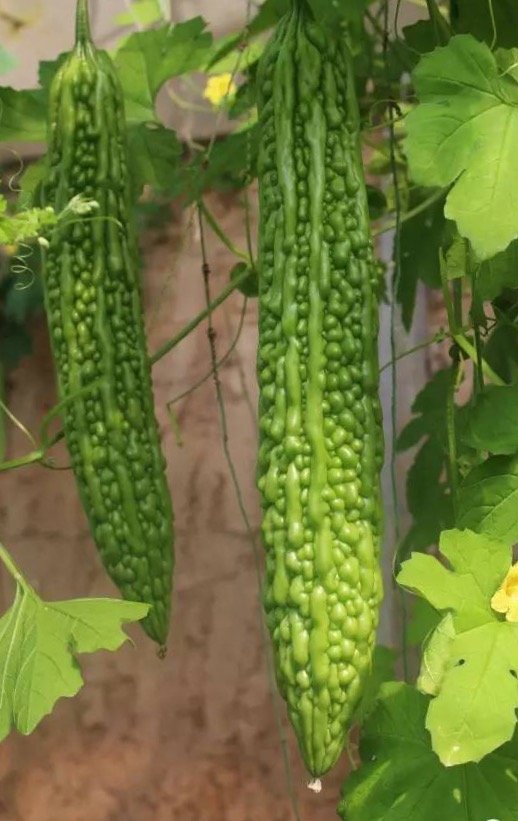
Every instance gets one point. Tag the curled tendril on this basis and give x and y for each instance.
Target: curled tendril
(20, 267)
(13, 185)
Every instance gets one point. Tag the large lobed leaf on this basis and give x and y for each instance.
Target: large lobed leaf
(147, 59)
(403, 780)
(464, 133)
(488, 499)
(473, 653)
(495, 402)
(39, 642)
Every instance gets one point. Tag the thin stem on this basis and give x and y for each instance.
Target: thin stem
(241, 372)
(410, 351)
(3, 431)
(22, 461)
(12, 569)
(376, 25)
(447, 298)
(220, 233)
(248, 226)
(187, 329)
(350, 755)
(493, 24)
(452, 439)
(471, 351)
(414, 212)
(18, 424)
(34, 456)
(221, 362)
(393, 347)
(454, 311)
(184, 104)
(479, 371)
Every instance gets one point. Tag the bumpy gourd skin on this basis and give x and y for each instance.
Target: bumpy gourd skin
(320, 428)
(96, 327)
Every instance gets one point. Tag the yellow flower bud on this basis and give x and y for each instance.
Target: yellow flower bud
(219, 88)
(505, 599)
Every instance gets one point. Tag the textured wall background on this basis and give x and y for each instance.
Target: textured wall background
(51, 25)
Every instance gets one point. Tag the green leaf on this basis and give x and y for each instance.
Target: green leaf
(243, 59)
(464, 133)
(472, 654)
(377, 202)
(488, 499)
(141, 13)
(23, 297)
(478, 565)
(15, 343)
(501, 351)
(38, 646)
(475, 711)
(7, 61)
(412, 433)
(474, 17)
(48, 69)
(423, 479)
(423, 620)
(249, 287)
(25, 225)
(429, 408)
(383, 663)
(456, 259)
(23, 115)
(147, 59)
(428, 497)
(481, 432)
(425, 530)
(154, 154)
(420, 241)
(34, 174)
(403, 780)
(333, 12)
(231, 161)
(420, 37)
(436, 656)
(270, 12)
(498, 273)
(486, 560)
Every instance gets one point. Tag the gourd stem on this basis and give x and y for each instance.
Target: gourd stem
(83, 31)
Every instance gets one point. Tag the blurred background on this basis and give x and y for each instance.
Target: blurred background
(199, 735)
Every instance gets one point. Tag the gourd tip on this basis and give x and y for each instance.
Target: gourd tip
(162, 652)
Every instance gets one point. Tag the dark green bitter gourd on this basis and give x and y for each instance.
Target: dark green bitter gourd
(94, 312)
(321, 445)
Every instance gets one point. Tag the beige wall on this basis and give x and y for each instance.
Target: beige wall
(49, 27)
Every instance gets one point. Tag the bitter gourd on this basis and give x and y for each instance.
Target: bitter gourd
(321, 444)
(94, 313)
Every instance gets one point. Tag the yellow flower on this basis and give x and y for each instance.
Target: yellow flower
(11, 250)
(219, 88)
(505, 599)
